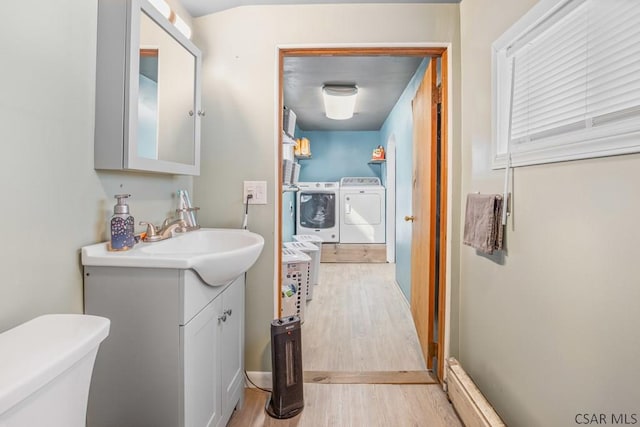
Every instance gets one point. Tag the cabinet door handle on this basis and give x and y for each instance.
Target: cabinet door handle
(229, 311)
(201, 113)
(190, 113)
(222, 318)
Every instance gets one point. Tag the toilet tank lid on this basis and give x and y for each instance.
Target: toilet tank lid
(37, 351)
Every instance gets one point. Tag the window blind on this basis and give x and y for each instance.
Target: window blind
(577, 71)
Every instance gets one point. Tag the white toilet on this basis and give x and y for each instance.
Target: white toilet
(45, 370)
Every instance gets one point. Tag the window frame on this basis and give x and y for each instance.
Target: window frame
(621, 138)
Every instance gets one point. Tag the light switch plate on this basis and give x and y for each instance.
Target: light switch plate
(259, 191)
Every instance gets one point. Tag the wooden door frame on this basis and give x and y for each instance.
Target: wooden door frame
(384, 49)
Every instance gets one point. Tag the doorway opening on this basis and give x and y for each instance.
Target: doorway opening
(429, 223)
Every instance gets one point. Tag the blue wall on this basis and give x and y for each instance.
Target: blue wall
(288, 216)
(400, 124)
(336, 154)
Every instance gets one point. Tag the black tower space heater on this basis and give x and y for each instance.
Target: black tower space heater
(286, 398)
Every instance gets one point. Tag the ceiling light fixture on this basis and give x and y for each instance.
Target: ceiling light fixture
(339, 101)
(166, 11)
(162, 6)
(182, 26)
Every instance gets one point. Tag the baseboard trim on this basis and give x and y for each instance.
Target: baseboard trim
(260, 378)
(472, 407)
(404, 297)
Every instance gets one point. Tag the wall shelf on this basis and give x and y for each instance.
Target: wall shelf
(286, 188)
(303, 157)
(287, 140)
(377, 162)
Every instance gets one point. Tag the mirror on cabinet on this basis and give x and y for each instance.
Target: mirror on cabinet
(147, 95)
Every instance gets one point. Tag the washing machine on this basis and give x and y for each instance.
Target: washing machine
(362, 210)
(317, 210)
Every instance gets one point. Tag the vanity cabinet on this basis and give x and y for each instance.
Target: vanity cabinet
(175, 354)
(213, 360)
(148, 107)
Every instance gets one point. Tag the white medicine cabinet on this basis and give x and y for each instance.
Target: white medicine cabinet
(148, 108)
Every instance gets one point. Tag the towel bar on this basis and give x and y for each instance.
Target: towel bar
(507, 205)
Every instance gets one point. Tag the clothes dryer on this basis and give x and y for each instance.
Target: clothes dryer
(317, 210)
(362, 210)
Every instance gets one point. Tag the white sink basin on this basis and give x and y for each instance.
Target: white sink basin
(218, 255)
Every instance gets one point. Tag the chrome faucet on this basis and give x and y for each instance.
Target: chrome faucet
(155, 234)
(152, 232)
(169, 226)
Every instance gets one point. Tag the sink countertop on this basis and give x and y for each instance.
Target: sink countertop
(217, 254)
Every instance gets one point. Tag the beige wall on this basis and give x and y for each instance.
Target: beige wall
(53, 201)
(239, 95)
(550, 330)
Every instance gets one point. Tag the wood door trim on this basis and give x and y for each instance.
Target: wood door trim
(441, 52)
(433, 223)
(444, 194)
(278, 184)
(149, 52)
(364, 51)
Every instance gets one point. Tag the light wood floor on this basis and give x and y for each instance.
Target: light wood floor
(356, 405)
(358, 320)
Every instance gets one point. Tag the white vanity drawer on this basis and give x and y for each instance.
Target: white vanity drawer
(196, 294)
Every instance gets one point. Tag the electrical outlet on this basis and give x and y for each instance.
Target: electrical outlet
(258, 190)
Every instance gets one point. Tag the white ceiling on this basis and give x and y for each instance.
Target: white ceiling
(380, 80)
(198, 8)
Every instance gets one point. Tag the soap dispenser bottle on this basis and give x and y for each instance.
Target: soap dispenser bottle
(121, 225)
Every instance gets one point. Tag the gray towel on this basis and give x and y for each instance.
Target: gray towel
(482, 223)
